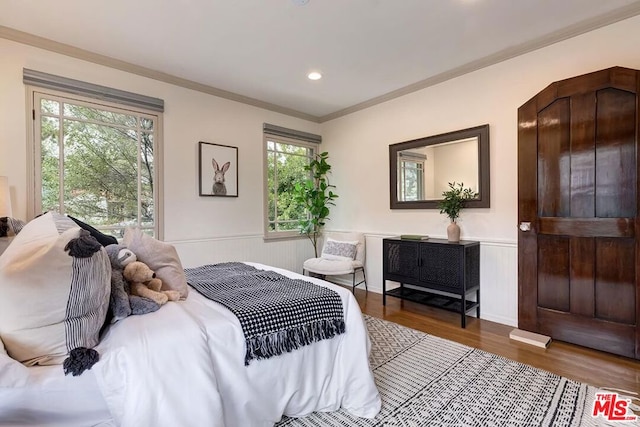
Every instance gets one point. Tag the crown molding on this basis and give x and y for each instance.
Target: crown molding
(577, 29)
(85, 55)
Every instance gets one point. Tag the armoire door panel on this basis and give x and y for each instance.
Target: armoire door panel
(553, 272)
(582, 276)
(587, 227)
(615, 289)
(615, 154)
(583, 155)
(554, 167)
(593, 333)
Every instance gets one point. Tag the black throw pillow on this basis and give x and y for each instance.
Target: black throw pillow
(103, 239)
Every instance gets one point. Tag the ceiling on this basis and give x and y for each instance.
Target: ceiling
(260, 51)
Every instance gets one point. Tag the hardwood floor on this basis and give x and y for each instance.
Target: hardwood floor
(578, 363)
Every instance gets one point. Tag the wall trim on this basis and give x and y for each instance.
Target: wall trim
(483, 241)
(577, 29)
(487, 242)
(499, 319)
(216, 239)
(107, 61)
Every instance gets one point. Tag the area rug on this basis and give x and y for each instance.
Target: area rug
(429, 381)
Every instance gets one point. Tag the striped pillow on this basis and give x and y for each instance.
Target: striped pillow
(55, 282)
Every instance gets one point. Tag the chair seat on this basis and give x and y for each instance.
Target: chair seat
(330, 266)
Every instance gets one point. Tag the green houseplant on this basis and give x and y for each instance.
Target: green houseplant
(315, 195)
(453, 201)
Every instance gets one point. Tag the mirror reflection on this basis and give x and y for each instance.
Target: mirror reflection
(422, 169)
(425, 172)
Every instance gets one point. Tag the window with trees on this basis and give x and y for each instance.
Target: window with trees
(96, 161)
(286, 159)
(411, 180)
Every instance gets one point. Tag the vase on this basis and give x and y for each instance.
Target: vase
(453, 232)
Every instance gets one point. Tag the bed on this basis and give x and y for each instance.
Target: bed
(184, 365)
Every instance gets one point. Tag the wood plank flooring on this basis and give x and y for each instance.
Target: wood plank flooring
(578, 363)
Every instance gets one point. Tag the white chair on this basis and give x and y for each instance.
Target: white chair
(338, 258)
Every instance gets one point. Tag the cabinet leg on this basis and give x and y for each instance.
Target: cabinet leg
(463, 311)
(478, 300)
(384, 292)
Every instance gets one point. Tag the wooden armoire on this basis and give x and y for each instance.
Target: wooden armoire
(578, 186)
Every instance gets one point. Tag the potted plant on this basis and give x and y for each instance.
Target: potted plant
(453, 201)
(315, 195)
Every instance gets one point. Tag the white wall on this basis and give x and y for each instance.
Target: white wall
(358, 147)
(207, 229)
(204, 229)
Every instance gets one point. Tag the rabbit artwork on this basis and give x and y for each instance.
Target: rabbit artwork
(219, 189)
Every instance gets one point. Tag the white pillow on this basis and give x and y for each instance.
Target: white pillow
(52, 302)
(339, 250)
(161, 257)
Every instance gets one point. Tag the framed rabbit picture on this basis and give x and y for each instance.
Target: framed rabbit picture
(218, 170)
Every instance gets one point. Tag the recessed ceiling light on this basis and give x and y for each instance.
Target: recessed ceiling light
(300, 2)
(314, 75)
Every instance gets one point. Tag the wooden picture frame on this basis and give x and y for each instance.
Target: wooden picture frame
(218, 170)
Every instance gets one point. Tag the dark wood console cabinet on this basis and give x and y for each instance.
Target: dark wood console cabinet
(433, 265)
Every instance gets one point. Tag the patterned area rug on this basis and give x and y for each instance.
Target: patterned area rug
(429, 381)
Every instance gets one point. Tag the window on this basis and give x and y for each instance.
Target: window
(411, 175)
(411, 180)
(96, 161)
(286, 159)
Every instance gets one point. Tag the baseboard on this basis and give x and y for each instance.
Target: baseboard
(531, 338)
(498, 319)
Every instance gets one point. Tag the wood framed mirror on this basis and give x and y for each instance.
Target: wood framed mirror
(421, 169)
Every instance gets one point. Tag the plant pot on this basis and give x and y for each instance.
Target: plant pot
(453, 232)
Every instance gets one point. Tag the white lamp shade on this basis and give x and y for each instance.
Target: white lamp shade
(5, 197)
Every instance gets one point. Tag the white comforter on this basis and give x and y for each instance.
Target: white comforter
(184, 366)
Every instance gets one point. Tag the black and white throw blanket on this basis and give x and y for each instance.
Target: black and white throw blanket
(277, 314)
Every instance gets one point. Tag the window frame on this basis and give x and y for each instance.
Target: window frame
(34, 178)
(315, 147)
(402, 171)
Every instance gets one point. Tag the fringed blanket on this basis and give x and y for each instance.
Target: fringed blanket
(277, 314)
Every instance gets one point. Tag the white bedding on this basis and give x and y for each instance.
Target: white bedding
(184, 365)
(44, 396)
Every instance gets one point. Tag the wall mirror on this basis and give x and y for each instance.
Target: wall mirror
(421, 169)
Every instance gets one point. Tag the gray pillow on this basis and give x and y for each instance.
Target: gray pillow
(161, 257)
(339, 250)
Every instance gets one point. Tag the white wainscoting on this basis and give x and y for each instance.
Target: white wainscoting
(498, 265)
(499, 282)
(288, 254)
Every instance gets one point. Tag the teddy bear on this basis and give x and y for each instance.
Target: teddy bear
(122, 303)
(144, 283)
